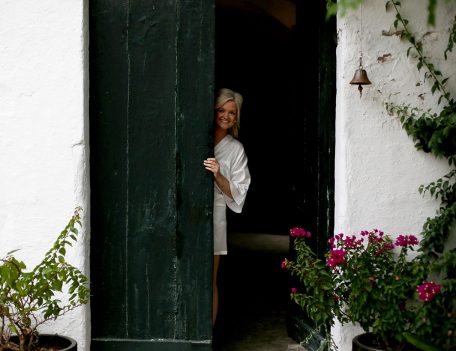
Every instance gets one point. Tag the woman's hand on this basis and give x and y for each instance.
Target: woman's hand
(212, 165)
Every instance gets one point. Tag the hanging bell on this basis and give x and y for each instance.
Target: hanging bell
(360, 77)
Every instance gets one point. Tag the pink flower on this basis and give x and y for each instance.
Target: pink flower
(300, 232)
(294, 290)
(428, 290)
(406, 240)
(351, 242)
(385, 247)
(336, 257)
(284, 263)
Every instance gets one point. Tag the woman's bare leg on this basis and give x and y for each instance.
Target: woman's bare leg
(215, 289)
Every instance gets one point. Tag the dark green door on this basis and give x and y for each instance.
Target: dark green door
(316, 69)
(151, 95)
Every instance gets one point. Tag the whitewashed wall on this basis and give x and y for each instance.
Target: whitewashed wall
(378, 170)
(44, 134)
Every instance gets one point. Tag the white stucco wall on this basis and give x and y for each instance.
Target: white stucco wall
(378, 170)
(44, 134)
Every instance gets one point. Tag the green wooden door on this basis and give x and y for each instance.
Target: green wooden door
(151, 96)
(317, 71)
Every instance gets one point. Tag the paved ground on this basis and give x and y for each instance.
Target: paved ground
(254, 296)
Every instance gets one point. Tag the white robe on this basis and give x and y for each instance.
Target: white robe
(230, 154)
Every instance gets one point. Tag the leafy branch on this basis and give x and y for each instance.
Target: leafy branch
(434, 133)
(29, 299)
(422, 59)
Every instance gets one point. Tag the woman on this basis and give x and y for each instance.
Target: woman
(231, 174)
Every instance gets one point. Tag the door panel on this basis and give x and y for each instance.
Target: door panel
(150, 127)
(316, 68)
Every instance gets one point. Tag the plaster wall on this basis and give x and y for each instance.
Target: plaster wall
(44, 135)
(377, 169)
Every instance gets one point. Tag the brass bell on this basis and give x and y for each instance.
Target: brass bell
(360, 78)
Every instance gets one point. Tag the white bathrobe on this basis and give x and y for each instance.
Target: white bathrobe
(230, 154)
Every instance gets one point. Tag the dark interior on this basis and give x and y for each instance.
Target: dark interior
(286, 74)
(255, 56)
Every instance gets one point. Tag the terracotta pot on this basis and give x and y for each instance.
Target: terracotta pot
(54, 342)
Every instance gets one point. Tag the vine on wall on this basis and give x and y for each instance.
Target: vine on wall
(341, 7)
(435, 133)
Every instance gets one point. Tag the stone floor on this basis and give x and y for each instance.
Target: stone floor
(254, 296)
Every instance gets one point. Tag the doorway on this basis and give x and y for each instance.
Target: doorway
(268, 51)
(150, 118)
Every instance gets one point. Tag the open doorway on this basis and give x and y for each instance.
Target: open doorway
(268, 51)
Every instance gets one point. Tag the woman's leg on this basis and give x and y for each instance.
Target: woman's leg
(215, 289)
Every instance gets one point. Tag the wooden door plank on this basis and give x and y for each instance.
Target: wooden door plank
(151, 121)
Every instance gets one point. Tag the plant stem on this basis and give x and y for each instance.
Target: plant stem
(419, 50)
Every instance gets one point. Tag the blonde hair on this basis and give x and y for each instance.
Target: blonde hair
(223, 96)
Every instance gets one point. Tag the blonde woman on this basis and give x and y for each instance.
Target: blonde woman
(230, 170)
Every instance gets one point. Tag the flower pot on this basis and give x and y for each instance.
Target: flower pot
(369, 342)
(366, 342)
(53, 342)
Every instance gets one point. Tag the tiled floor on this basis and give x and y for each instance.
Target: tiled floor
(254, 296)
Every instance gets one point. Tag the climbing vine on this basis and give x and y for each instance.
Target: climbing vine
(341, 7)
(435, 133)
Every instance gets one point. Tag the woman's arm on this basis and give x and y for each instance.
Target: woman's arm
(212, 165)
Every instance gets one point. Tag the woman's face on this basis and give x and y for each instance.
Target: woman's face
(226, 115)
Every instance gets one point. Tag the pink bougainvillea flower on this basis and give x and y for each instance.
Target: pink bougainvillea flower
(385, 247)
(300, 232)
(335, 258)
(428, 290)
(406, 240)
(351, 242)
(294, 290)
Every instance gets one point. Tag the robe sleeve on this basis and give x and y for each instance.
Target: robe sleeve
(239, 182)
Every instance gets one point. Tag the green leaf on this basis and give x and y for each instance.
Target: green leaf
(420, 343)
(431, 12)
(408, 50)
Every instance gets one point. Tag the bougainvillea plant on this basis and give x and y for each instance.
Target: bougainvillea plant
(367, 279)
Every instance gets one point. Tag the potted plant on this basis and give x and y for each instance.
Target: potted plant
(366, 279)
(30, 298)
